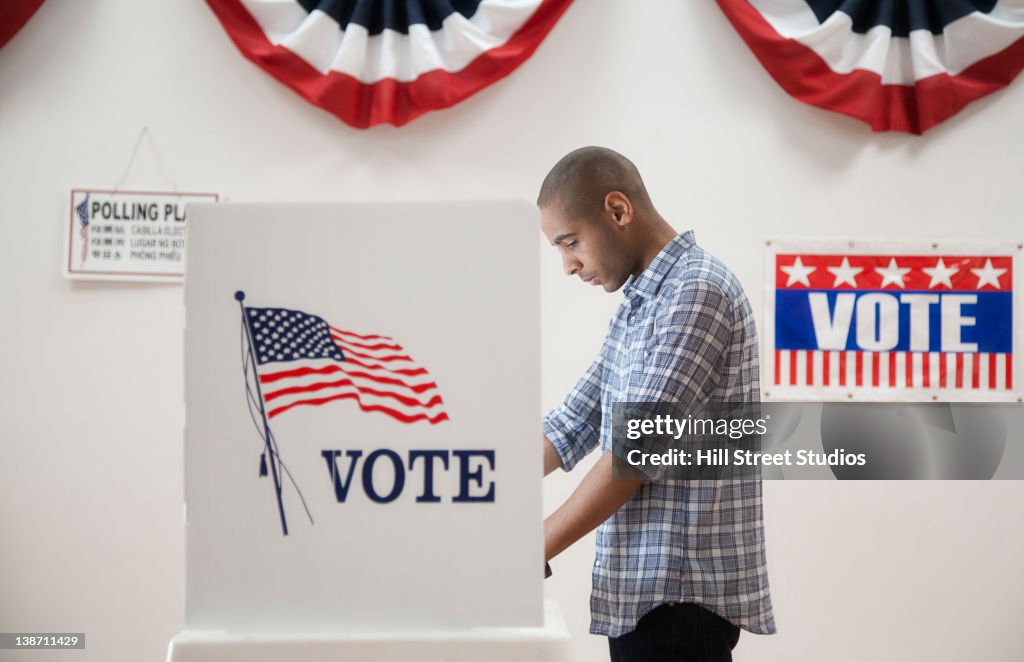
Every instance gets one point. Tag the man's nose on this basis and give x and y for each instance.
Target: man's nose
(570, 264)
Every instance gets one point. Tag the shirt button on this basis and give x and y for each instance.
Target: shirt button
(597, 563)
(631, 318)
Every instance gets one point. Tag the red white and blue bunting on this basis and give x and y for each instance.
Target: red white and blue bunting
(387, 61)
(13, 15)
(897, 65)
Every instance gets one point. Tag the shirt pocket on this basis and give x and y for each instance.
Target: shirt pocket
(641, 351)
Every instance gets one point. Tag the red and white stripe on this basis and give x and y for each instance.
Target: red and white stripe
(918, 370)
(893, 83)
(13, 16)
(897, 60)
(327, 46)
(390, 77)
(378, 374)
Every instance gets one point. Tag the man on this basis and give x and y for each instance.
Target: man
(680, 565)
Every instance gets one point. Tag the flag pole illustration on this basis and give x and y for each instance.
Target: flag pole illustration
(298, 359)
(268, 439)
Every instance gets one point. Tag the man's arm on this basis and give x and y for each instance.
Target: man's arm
(552, 460)
(596, 498)
(695, 333)
(572, 430)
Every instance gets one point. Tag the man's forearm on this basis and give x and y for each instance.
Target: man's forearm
(596, 498)
(552, 460)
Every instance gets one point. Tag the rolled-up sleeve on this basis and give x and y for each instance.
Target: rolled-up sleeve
(574, 427)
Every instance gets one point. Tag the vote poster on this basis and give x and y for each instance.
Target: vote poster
(362, 384)
(128, 235)
(892, 321)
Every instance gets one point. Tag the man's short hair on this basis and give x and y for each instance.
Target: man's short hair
(582, 178)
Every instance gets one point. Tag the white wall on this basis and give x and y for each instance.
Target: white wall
(90, 470)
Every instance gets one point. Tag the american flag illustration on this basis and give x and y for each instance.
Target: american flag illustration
(892, 325)
(303, 360)
(291, 359)
(82, 211)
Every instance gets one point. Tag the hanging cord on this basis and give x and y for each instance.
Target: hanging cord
(144, 133)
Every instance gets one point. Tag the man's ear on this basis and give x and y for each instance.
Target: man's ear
(618, 207)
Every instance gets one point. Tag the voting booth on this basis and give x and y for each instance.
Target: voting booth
(362, 477)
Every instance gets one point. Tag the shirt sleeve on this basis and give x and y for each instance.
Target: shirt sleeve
(574, 427)
(693, 331)
(682, 361)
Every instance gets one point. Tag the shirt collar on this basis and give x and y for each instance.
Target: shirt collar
(649, 281)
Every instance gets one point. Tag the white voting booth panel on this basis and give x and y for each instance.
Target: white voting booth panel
(541, 644)
(362, 397)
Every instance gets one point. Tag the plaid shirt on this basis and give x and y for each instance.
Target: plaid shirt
(684, 333)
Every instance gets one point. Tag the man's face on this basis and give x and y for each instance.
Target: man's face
(590, 249)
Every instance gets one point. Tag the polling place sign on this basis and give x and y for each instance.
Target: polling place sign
(127, 235)
(895, 321)
(362, 386)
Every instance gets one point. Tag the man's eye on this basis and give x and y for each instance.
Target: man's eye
(572, 244)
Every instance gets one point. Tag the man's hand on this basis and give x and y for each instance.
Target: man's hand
(596, 498)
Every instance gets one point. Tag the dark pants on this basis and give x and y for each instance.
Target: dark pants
(680, 631)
